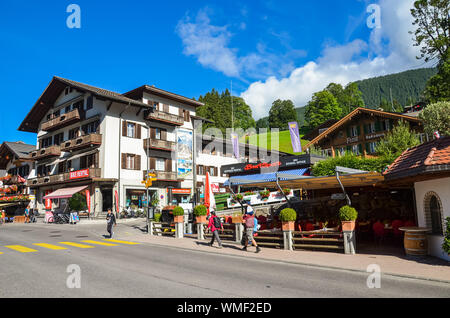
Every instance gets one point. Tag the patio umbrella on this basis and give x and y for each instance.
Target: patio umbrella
(210, 201)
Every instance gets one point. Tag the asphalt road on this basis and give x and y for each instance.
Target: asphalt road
(153, 271)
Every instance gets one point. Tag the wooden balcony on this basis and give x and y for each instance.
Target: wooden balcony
(43, 153)
(86, 141)
(62, 178)
(159, 144)
(163, 175)
(62, 121)
(164, 117)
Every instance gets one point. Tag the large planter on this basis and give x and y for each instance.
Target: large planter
(288, 226)
(348, 226)
(178, 218)
(201, 219)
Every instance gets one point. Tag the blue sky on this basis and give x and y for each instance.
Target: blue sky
(269, 49)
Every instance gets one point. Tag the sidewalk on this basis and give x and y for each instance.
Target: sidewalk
(429, 268)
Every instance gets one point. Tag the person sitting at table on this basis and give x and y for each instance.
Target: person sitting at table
(378, 231)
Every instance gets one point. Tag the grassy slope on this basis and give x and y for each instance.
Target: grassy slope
(284, 141)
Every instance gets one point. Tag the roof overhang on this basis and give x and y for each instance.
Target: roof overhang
(137, 93)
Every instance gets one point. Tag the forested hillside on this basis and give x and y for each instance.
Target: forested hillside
(406, 87)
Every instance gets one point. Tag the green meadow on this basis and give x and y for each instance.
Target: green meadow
(264, 140)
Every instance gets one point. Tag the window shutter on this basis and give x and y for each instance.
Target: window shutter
(124, 161)
(164, 134)
(90, 102)
(358, 129)
(124, 128)
(96, 160)
(216, 173)
(180, 112)
(187, 116)
(349, 132)
(166, 108)
(152, 163)
(138, 131)
(168, 165)
(377, 126)
(137, 162)
(366, 129)
(152, 133)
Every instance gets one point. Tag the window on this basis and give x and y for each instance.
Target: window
(90, 128)
(157, 133)
(433, 212)
(212, 171)
(160, 164)
(372, 127)
(354, 131)
(67, 109)
(356, 150)
(57, 113)
(201, 170)
(74, 133)
(79, 105)
(58, 139)
(131, 130)
(46, 142)
(130, 162)
(386, 124)
(371, 147)
(66, 91)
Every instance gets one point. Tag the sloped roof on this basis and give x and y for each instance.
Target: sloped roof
(137, 94)
(18, 149)
(55, 88)
(356, 112)
(432, 156)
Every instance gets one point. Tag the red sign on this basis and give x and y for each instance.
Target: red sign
(181, 191)
(215, 187)
(88, 200)
(262, 165)
(48, 202)
(117, 201)
(79, 174)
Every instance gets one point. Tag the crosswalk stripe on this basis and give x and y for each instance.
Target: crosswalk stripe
(121, 242)
(76, 244)
(20, 248)
(99, 243)
(50, 246)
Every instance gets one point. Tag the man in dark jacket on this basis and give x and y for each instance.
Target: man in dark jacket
(110, 221)
(215, 226)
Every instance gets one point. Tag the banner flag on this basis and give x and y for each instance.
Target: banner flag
(88, 201)
(295, 137)
(235, 143)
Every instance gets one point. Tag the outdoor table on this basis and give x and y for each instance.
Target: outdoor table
(415, 241)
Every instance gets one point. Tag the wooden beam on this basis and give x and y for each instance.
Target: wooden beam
(109, 106)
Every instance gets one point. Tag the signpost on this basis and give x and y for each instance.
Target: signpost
(148, 183)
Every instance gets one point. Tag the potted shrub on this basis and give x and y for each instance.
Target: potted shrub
(348, 216)
(288, 217)
(264, 194)
(200, 212)
(238, 196)
(178, 214)
(446, 244)
(249, 193)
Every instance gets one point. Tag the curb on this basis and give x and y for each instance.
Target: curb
(395, 275)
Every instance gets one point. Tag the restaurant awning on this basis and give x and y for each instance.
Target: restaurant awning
(265, 177)
(4, 205)
(327, 182)
(64, 193)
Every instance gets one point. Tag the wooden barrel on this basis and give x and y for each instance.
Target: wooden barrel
(416, 243)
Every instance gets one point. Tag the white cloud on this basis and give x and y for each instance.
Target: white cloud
(388, 50)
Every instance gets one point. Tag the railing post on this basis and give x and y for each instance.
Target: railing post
(200, 232)
(150, 228)
(238, 230)
(349, 242)
(287, 240)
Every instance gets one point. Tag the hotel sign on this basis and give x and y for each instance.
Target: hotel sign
(368, 137)
(79, 174)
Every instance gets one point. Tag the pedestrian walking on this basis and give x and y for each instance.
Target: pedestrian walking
(215, 225)
(249, 223)
(110, 221)
(27, 214)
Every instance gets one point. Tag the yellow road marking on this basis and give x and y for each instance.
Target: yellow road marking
(99, 243)
(122, 242)
(50, 246)
(76, 244)
(20, 248)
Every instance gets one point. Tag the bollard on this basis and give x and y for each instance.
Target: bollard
(349, 242)
(150, 227)
(179, 230)
(200, 232)
(287, 240)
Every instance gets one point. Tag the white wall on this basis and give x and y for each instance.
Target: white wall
(442, 188)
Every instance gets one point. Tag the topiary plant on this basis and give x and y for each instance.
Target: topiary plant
(200, 210)
(446, 244)
(347, 213)
(77, 202)
(178, 211)
(288, 215)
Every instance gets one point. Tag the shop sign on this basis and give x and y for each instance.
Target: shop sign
(88, 200)
(48, 202)
(215, 187)
(181, 191)
(79, 174)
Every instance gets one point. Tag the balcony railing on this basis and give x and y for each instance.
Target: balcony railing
(62, 178)
(61, 121)
(165, 117)
(82, 142)
(159, 144)
(163, 175)
(52, 151)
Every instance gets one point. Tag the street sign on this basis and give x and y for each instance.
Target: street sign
(148, 181)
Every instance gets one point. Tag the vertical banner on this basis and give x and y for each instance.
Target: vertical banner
(48, 202)
(235, 143)
(184, 153)
(117, 201)
(295, 137)
(88, 201)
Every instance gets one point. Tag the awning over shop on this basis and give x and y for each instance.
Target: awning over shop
(266, 177)
(327, 182)
(64, 193)
(4, 205)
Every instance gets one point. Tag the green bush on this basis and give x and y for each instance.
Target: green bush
(436, 117)
(264, 193)
(287, 215)
(157, 217)
(446, 244)
(200, 210)
(238, 196)
(349, 160)
(178, 211)
(77, 202)
(347, 213)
